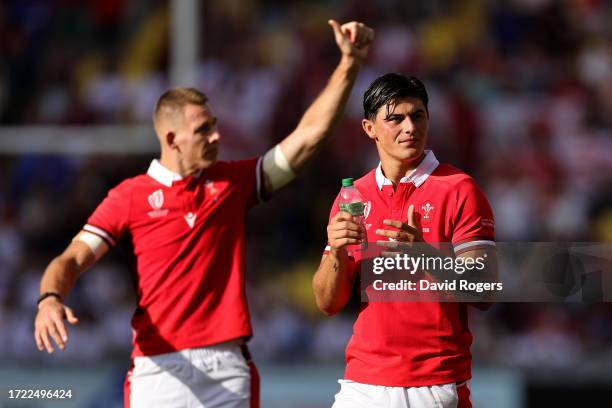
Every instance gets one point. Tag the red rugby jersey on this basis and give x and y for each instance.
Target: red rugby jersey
(189, 243)
(407, 344)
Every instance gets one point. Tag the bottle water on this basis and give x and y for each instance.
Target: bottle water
(352, 202)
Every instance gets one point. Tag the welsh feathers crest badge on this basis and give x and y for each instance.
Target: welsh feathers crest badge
(428, 211)
(212, 190)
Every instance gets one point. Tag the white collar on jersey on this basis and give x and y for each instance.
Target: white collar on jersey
(416, 176)
(164, 175)
(159, 173)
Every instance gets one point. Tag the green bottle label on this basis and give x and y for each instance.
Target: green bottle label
(355, 208)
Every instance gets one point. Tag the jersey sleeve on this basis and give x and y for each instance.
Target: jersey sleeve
(109, 220)
(248, 176)
(473, 223)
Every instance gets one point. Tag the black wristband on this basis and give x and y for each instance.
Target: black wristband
(48, 294)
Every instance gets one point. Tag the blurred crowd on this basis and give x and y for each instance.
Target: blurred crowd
(520, 98)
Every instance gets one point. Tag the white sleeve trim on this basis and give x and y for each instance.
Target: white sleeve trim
(100, 232)
(277, 168)
(94, 242)
(465, 245)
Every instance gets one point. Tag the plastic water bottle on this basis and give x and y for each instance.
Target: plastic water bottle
(352, 202)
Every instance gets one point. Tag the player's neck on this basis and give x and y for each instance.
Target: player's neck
(177, 166)
(395, 170)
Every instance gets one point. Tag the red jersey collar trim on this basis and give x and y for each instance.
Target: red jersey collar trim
(416, 176)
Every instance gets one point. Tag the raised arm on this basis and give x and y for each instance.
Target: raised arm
(318, 122)
(58, 279)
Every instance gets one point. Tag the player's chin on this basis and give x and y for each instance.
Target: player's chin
(411, 152)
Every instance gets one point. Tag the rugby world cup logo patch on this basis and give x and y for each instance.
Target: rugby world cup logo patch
(156, 201)
(428, 212)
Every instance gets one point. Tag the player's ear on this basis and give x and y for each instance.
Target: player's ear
(170, 140)
(368, 127)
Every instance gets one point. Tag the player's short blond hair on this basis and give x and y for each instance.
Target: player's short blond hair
(174, 100)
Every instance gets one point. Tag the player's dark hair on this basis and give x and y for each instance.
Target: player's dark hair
(388, 89)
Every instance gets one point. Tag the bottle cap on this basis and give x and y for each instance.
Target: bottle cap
(347, 182)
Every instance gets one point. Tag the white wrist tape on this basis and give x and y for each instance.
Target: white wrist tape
(277, 168)
(94, 242)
